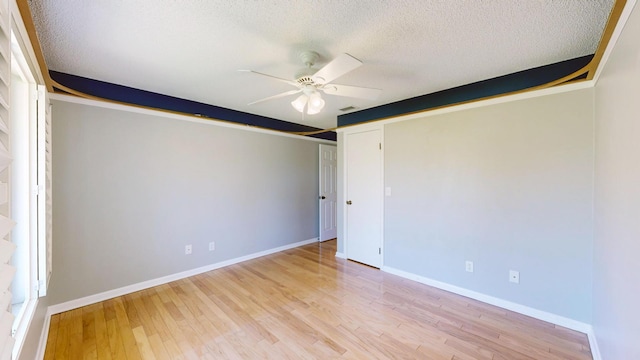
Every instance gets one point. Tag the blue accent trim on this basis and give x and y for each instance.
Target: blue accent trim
(478, 90)
(500, 85)
(130, 95)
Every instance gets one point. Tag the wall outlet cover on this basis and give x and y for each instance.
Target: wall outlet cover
(468, 266)
(514, 276)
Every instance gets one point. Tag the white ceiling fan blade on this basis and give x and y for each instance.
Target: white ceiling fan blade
(336, 68)
(287, 93)
(293, 83)
(352, 91)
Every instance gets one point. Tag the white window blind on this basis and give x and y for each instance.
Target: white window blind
(45, 204)
(6, 224)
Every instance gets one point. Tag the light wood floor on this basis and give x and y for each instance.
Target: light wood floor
(303, 304)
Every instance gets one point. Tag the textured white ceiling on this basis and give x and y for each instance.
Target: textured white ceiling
(192, 49)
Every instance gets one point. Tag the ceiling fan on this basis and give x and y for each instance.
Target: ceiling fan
(310, 83)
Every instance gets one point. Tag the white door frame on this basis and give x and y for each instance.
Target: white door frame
(342, 164)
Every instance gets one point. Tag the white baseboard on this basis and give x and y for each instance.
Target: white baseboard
(525, 310)
(593, 344)
(92, 299)
(44, 335)
(522, 309)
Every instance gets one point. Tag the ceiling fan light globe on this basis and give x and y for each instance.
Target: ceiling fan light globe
(316, 101)
(315, 105)
(300, 103)
(312, 111)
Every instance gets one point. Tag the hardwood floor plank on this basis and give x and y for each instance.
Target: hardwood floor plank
(304, 303)
(103, 350)
(142, 344)
(116, 346)
(62, 337)
(52, 338)
(126, 331)
(89, 342)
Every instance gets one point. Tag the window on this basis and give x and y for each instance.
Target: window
(23, 204)
(29, 184)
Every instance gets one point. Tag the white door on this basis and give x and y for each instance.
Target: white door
(364, 197)
(328, 192)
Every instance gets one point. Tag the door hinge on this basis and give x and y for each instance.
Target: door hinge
(379, 251)
(380, 146)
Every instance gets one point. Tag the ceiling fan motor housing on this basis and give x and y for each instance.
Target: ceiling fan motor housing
(304, 76)
(309, 57)
(305, 80)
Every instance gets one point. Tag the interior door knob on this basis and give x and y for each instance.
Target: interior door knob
(349, 202)
(323, 197)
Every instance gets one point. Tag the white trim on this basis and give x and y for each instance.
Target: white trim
(624, 16)
(44, 335)
(24, 36)
(340, 255)
(593, 344)
(367, 126)
(342, 191)
(200, 120)
(522, 309)
(92, 299)
(471, 105)
(23, 327)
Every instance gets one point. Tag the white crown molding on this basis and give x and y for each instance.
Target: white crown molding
(160, 113)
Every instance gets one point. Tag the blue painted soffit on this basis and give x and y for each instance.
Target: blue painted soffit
(500, 85)
(130, 95)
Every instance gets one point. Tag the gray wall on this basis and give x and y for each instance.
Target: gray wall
(507, 186)
(131, 190)
(616, 290)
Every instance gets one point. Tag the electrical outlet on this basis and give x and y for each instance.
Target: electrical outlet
(514, 276)
(468, 266)
(188, 249)
(212, 246)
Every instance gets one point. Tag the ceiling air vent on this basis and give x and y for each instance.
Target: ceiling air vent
(348, 108)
